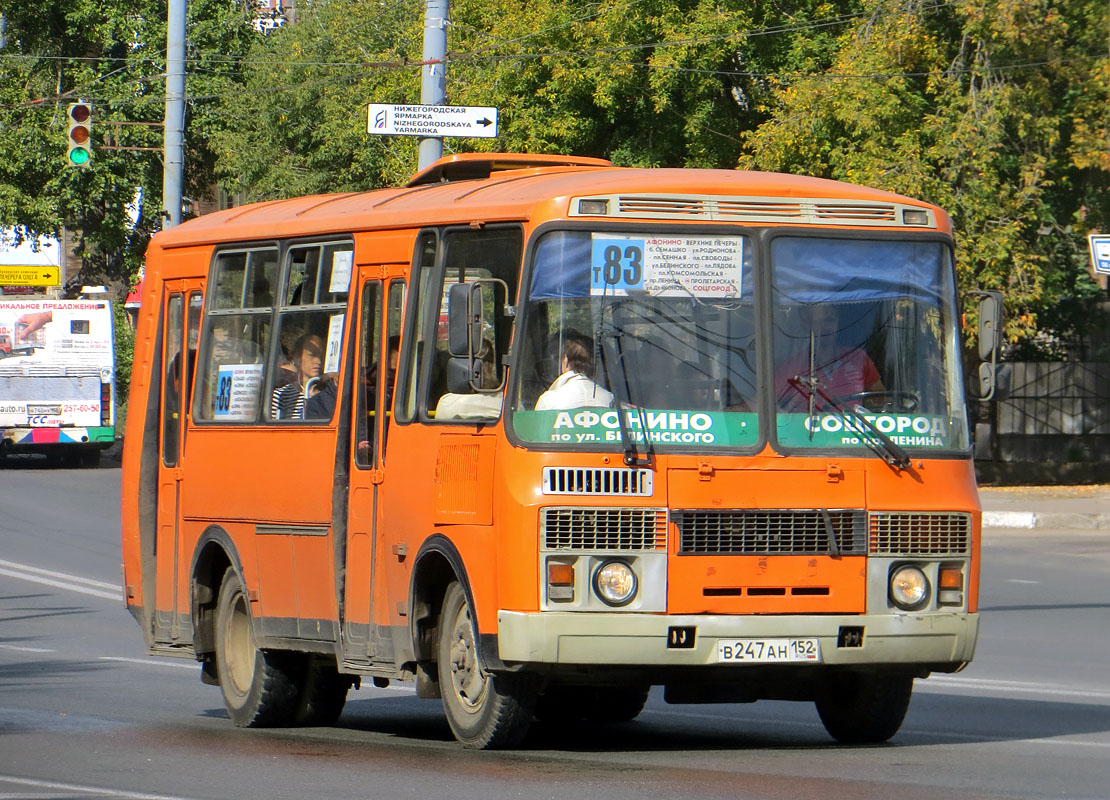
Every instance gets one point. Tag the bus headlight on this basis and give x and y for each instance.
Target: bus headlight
(909, 588)
(615, 583)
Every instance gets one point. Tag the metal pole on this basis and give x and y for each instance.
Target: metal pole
(433, 86)
(174, 142)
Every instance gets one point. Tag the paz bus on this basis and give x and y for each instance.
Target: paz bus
(538, 433)
(57, 378)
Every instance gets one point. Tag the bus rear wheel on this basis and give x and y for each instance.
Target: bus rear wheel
(484, 711)
(864, 708)
(259, 687)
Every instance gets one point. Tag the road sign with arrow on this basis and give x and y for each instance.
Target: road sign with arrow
(428, 121)
(30, 276)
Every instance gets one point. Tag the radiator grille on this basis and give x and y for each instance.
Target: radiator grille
(769, 531)
(604, 481)
(920, 534)
(603, 528)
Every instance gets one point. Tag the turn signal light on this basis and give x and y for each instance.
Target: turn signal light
(560, 581)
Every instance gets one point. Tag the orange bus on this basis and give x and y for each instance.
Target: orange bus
(539, 433)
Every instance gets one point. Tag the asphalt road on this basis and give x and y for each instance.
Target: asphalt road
(85, 713)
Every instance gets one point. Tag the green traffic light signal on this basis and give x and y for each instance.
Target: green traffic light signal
(80, 134)
(78, 156)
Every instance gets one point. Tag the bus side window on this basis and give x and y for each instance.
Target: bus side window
(369, 375)
(304, 377)
(236, 335)
(427, 249)
(171, 391)
(492, 257)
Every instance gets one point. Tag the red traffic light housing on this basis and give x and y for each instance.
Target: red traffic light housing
(80, 134)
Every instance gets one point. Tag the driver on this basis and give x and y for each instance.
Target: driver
(840, 368)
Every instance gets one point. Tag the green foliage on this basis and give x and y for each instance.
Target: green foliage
(993, 109)
(111, 53)
(996, 110)
(124, 343)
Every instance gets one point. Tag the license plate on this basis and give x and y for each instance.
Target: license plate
(767, 651)
(39, 411)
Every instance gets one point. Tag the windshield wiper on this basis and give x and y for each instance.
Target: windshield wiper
(871, 435)
(631, 456)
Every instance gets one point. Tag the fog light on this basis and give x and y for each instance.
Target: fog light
(909, 588)
(615, 583)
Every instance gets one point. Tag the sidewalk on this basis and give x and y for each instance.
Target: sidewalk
(1046, 506)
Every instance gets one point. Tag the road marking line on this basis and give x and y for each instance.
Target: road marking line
(55, 574)
(150, 662)
(116, 595)
(937, 683)
(26, 649)
(76, 787)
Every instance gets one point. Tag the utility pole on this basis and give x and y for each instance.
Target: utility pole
(173, 159)
(433, 86)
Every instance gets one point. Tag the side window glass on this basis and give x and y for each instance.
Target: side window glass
(471, 388)
(304, 377)
(395, 309)
(426, 250)
(171, 388)
(192, 337)
(237, 336)
(369, 374)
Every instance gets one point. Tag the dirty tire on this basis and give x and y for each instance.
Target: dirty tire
(858, 708)
(259, 687)
(323, 693)
(484, 711)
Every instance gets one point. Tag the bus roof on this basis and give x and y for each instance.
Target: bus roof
(493, 187)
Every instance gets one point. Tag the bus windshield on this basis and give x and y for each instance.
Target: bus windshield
(650, 340)
(639, 338)
(864, 340)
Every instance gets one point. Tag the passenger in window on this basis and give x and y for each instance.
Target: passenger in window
(307, 359)
(831, 359)
(573, 388)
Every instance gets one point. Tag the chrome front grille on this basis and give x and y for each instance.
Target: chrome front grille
(907, 533)
(603, 528)
(606, 481)
(772, 532)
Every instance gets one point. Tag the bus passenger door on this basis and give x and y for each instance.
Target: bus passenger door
(379, 323)
(180, 326)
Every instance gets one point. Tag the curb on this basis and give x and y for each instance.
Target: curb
(1033, 519)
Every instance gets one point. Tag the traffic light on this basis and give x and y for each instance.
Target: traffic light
(80, 134)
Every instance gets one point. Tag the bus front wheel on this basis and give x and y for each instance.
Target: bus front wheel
(259, 687)
(864, 708)
(484, 711)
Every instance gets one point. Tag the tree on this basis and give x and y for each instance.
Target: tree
(110, 53)
(993, 109)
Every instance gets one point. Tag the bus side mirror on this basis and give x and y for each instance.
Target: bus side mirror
(994, 380)
(990, 325)
(464, 319)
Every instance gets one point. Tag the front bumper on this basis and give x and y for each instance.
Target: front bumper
(629, 639)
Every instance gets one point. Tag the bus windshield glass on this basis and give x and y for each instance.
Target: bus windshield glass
(643, 339)
(864, 340)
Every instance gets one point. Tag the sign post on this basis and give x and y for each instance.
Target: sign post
(424, 121)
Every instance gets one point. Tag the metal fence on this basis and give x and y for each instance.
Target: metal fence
(1056, 411)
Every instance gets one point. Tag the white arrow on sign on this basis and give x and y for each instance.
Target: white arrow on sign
(464, 121)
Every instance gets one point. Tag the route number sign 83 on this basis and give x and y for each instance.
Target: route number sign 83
(616, 264)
